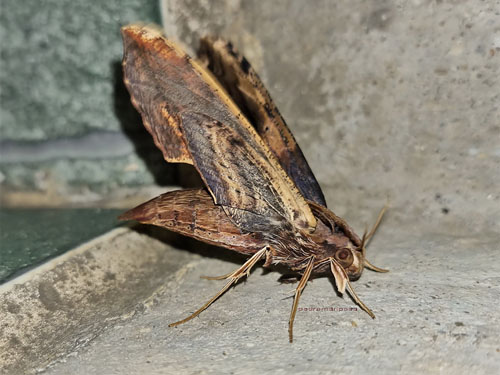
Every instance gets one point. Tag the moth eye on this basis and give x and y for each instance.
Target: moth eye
(345, 257)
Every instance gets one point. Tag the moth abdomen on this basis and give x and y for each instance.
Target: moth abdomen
(192, 213)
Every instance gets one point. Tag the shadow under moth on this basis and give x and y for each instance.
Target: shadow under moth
(260, 198)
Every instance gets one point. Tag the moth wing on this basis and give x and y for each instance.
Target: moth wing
(246, 88)
(192, 212)
(187, 105)
(140, 72)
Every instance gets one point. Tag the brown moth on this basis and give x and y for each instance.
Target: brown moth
(261, 197)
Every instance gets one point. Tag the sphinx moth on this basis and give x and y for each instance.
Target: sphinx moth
(260, 198)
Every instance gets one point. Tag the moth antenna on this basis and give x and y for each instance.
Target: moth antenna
(372, 267)
(235, 276)
(363, 242)
(298, 292)
(366, 238)
(347, 284)
(377, 223)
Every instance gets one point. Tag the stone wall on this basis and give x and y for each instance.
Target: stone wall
(389, 100)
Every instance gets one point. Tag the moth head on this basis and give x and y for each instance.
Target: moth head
(343, 275)
(347, 264)
(351, 260)
(352, 256)
(340, 244)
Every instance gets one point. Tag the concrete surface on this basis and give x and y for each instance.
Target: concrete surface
(389, 100)
(60, 306)
(436, 313)
(393, 99)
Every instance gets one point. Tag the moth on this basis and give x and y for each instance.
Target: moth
(260, 198)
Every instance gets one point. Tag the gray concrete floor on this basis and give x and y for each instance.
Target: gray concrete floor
(436, 313)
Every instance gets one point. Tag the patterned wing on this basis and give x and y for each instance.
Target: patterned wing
(182, 104)
(246, 88)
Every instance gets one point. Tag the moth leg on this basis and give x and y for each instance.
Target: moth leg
(235, 276)
(367, 238)
(357, 300)
(228, 275)
(298, 292)
(221, 277)
(343, 283)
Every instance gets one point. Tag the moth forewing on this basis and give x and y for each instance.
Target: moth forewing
(245, 87)
(186, 92)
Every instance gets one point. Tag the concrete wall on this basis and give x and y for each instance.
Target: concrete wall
(389, 100)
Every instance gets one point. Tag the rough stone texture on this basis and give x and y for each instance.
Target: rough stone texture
(62, 305)
(59, 62)
(392, 99)
(68, 133)
(436, 314)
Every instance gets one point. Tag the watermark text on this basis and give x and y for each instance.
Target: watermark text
(327, 309)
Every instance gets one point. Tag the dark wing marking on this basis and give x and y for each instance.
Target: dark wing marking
(194, 214)
(245, 87)
(188, 106)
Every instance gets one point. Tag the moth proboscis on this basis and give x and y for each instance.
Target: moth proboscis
(260, 198)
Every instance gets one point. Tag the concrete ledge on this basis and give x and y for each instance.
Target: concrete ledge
(437, 303)
(60, 306)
